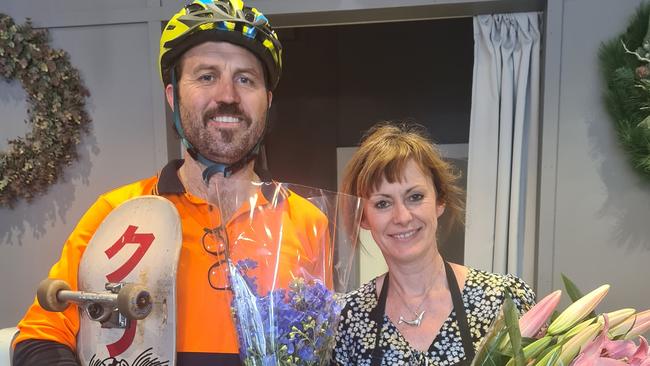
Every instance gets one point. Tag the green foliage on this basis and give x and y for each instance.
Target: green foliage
(627, 92)
(512, 324)
(56, 111)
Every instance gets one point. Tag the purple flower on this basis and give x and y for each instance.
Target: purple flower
(298, 323)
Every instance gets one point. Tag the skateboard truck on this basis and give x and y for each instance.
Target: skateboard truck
(113, 309)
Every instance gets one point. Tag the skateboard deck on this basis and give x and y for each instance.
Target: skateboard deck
(138, 243)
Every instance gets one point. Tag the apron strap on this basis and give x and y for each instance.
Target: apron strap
(377, 315)
(461, 316)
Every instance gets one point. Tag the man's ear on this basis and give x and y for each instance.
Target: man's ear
(270, 98)
(169, 94)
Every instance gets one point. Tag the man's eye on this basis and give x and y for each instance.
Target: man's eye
(381, 204)
(206, 77)
(244, 80)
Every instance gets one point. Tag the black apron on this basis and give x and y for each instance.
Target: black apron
(377, 315)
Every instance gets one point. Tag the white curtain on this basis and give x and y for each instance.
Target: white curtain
(503, 144)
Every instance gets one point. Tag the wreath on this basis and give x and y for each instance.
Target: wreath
(625, 63)
(56, 113)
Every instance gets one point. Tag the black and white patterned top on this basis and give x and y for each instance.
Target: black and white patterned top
(482, 295)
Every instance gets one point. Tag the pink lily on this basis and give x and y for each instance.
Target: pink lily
(605, 352)
(641, 355)
(619, 349)
(605, 361)
(532, 321)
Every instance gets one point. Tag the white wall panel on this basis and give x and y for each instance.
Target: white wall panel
(599, 224)
(113, 62)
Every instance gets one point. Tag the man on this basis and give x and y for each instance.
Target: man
(219, 62)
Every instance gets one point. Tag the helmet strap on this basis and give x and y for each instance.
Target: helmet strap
(212, 167)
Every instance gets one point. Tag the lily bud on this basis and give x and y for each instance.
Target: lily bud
(626, 326)
(641, 325)
(551, 357)
(572, 347)
(614, 318)
(577, 311)
(575, 330)
(622, 328)
(532, 350)
(532, 321)
(617, 317)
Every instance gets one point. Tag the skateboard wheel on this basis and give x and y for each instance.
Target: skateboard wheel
(134, 302)
(47, 294)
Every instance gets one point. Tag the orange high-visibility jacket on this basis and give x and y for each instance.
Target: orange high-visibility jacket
(204, 322)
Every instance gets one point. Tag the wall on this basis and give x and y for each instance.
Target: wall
(594, 210)
(593, 222)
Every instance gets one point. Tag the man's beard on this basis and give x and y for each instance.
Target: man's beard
(224, 145)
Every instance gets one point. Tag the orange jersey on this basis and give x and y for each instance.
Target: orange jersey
(204, 322)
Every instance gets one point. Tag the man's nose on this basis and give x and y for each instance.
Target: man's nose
(226, 91)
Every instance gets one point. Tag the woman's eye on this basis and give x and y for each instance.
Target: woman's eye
(416, 197)
(381, 204)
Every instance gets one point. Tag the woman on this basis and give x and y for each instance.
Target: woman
(424, 311)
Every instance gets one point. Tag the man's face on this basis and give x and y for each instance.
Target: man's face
(223, 100)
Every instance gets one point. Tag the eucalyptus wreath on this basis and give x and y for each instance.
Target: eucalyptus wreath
(56, 111)
(625, 63)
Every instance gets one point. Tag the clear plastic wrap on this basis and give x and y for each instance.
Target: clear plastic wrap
(283, 251)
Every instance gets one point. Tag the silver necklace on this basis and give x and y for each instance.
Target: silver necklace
(415, 322)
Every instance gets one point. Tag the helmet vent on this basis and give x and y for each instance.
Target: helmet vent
(193, 7)
(249, 16)
(223, 7)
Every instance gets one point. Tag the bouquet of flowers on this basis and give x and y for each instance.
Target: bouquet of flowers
(576, 336)
(286, 250)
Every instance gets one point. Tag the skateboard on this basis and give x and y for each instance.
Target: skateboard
(127, 287)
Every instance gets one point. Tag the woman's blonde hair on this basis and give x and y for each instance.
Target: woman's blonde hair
(384, 152)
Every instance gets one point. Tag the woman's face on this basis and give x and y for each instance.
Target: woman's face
(403, 216)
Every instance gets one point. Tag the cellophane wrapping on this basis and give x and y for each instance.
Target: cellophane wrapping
(288, 252)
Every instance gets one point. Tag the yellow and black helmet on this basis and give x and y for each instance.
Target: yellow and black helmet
(227, 21)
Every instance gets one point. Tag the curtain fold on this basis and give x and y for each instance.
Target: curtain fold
(503, 144)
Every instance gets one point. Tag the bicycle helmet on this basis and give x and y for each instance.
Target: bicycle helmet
(227, 21)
